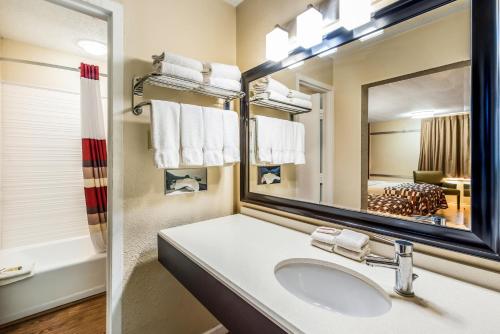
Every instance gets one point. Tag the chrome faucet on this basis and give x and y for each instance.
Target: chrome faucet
(402, 263)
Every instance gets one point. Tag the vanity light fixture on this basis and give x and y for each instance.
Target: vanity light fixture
(310, 27)
(354, 13)
(277, 44)
(93, 47)
(327, 52)
(297, 64)
(372, 35)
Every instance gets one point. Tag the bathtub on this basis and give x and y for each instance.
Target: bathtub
(65, 271)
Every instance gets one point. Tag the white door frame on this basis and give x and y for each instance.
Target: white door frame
(111, 12)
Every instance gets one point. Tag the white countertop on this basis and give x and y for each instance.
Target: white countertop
(242, 253)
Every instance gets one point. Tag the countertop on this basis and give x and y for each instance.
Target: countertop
(242, 252)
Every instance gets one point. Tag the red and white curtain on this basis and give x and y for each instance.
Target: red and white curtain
(94, 155)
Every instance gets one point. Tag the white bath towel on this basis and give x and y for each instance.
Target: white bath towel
(299, 95)
(165, 133)
(178, 71)
(272, 96)
(268, 84)
(288, 142)
(177, 59)
(322, 245)
(326, 238)
(228, 84)
(352, 240)
(300, 138)
(357, 256)
(252, 143)
(231, 150)
(191, 135)
(214, 137)
(14, 267)
(218, 70)
(264, 127)
(277, 140)
(300, 103)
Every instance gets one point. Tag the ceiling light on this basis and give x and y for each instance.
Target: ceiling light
(372, 35)
(277, 44)
(93, 47)
(422, 114)
(327, 52)
(310, 27)
(297, 64)
(354, 13)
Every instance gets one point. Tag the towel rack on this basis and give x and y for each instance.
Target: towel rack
(282, 106)
(178, 83)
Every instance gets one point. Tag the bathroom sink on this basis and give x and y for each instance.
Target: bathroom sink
(333, 287)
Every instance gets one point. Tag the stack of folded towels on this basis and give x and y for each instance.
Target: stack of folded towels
(179, 66)
(222, 76)
(348, 243)
(269, 89)
(185, 135)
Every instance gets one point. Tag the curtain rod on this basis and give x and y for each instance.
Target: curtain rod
(60, 67)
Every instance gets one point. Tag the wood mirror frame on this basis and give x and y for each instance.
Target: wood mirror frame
(484, 238)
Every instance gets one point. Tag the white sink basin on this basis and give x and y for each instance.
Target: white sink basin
(333, 287)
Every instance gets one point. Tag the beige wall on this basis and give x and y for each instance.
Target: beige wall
(153, 301)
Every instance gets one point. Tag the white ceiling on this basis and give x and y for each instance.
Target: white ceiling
(441, 92)
(44, 24)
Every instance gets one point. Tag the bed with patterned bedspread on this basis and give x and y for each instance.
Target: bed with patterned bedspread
(425, 198)
(390, 205)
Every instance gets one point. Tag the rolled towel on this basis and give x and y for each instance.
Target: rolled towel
(192, 135)
(231, 128)
(300, 103)
(176, 59)
(352, 240)
(323, 246)
(214, 137)
(218, 70)
(165, 133)
(228, 84)
(299, 95)
(178, 71)
(357, 256)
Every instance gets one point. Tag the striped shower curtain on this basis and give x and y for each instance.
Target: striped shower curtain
(94, 155)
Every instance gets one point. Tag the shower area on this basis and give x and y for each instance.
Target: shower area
(52, 196)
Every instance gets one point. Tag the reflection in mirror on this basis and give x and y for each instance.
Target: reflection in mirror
(380, 126)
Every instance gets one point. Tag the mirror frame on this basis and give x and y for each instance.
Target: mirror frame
(484, 238)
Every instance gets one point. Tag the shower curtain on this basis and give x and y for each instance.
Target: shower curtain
(94, 154)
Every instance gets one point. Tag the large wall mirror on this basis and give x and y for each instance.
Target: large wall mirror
(378, 131)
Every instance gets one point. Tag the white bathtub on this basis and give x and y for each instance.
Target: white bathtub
(65, 271)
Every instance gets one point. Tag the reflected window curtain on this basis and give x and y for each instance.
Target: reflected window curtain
(445, 145)
(94, 155)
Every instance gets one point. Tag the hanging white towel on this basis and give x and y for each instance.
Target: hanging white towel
(218, 70)
(264, 137)
(299, 141)
(177, 59)
(165, 133)
(278, 129)
(214, 136)
(252, 143)
(231, 150)
(178, 71)
(299, 95)
(222, 83)
(191, 135)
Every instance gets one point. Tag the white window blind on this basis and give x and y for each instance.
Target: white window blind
(42, 185)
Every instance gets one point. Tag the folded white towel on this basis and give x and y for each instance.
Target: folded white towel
(191, 135)
(264, 128)
(273, 96)
(357, 256)
(218, 70)
(328, 230)
(296, 94)
(300, 145)
(352, 240)
(231, 127)
(228, 84)
(214, 136)
(324, 237)
(323, 246)
(268, 84)
(177, 59)
(178, 71)
(300, 103)
(165, 133)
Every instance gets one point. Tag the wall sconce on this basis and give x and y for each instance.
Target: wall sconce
(354, 13)
(277, 44)
(310, 27)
